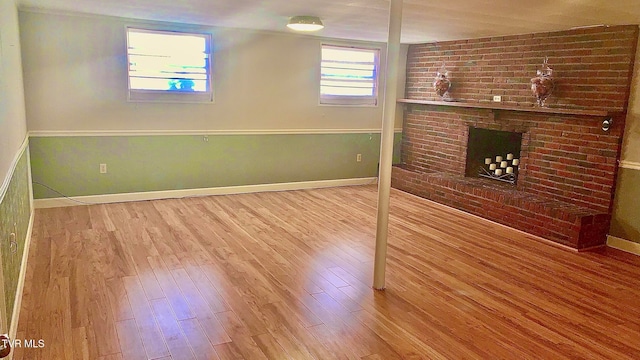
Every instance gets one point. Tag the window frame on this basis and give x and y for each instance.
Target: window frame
(169, 96)
(346, 100)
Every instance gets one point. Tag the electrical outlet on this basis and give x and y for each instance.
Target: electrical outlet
(103, 168)
(205, 138)
(359, 157)
(497, 98)
(13, 244)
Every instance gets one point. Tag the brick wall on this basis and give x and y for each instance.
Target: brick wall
(592, 67)
(567, 158)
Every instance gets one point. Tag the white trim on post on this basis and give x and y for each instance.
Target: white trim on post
(386, 143)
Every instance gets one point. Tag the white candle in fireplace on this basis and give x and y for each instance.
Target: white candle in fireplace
(509, 156)
(503, 164)
(499, 172)
(509, 170)
(516, 162)
(498, 159)
(492, 167)
(487, 161)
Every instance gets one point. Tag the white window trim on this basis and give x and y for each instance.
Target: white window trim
(351, 101)
(165, 96)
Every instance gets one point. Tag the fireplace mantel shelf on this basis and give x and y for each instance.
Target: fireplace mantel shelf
(498, 106)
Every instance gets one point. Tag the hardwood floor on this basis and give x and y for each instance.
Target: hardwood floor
(287, 275)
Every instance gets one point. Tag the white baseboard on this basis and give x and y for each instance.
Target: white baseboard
(168, 194)
(15, 316)
(624, 245)
(629, 164)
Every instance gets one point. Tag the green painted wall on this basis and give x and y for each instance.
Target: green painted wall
(70, 165)
(397, 145)
(14, 218)
(626, 209)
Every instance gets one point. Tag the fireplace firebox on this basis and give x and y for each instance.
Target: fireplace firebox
(493, 154)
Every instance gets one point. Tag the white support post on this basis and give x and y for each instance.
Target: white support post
(386, 143)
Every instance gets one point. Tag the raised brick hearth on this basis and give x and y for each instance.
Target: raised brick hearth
(568, 164)
(559, 221)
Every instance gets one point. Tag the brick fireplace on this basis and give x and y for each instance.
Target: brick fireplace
(567, 163)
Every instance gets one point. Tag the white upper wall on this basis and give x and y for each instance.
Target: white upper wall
(13, 128)
(75, 70)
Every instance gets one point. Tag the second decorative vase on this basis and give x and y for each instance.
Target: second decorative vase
(441, 83)
(543, 84)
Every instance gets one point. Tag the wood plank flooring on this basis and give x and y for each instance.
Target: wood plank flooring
(287, 275)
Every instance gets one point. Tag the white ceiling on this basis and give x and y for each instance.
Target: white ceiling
(423, 20)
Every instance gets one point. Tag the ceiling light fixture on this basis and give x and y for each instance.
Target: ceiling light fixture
(305, 23)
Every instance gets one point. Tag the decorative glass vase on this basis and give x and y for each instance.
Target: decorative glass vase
(542, 85)
(441, 83)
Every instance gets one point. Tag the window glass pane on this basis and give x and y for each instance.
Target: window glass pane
(348, 74)
(168, 61)
(354, 84)
(348, 55)
(345, 91)
(164, 43)
(343, 65)
(168, 84)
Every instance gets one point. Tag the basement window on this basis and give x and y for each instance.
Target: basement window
(167, 66)
(349, 75)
